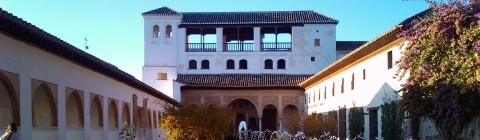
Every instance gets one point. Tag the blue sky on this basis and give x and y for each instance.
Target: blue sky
(114, 28)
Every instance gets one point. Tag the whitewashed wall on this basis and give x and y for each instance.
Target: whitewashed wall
(32, 63)
(367, 92)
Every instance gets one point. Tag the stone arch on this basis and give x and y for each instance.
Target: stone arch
(156, 30)
(10, 103)
(96, 112)
(155, 119)
(74, 110)
(288, 113)
(240, 98)
(269, 117)
(126, 114)
(159, 118)
(112, 115)
(39, 118)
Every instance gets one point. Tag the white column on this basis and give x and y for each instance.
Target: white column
(62, 112)
(161, 34)
(25, 107)
(105, 117)
(280, 122)
(256, 38)
(260, 123)
(86, 114)
(120, 117)
(219, 32)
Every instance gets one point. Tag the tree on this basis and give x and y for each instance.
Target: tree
(391, 127)
(443, 65)
(295, 119)
(196, 122)
(312, 126)
(356, 121)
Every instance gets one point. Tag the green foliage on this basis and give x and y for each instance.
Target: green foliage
(391, 127)
(356, 122)
(128, 132)
(443, 65)
(196, 122)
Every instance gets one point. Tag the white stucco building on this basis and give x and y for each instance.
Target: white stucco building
(53, 90)
(249, 61)
(364, 77)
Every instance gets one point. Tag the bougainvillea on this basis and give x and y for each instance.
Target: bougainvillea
(443, 65)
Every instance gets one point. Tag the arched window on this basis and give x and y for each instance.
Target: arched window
(168, 31)
(156, 30)
(205, 64)
(192, 64)
(243, 64)
(230, 64)
(281, 64)
(268, 64)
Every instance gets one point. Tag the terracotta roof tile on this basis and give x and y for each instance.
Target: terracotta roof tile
(259, 17)
(348, 46)
(242, 80)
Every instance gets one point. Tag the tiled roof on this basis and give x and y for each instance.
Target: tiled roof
(242, 80)
(21, 30)
(163, 11)
(259, 17)
(270, 17)
(348, 46)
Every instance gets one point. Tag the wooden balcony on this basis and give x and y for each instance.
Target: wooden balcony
(201, 47)
(279, 46)
(238, 47)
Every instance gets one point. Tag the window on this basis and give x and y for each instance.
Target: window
(168, 31)
(230, 64)
(313, 96)
(268, 64)
(156, 29)
(317, 42)
(353, 81)
(333, 89)
(205, 64)
(342, 86)
(243, 64)
(192, 64)
(281, 64)
(312, 58)
(364, 75)
(390, 63)
(162, 76)
(325, 93)
(319, 91)
(308, 98)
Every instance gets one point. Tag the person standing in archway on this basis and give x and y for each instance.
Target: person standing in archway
(11, 133)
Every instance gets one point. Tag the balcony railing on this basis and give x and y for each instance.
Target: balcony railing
(238, 47)
(279, 46)
(201, 47)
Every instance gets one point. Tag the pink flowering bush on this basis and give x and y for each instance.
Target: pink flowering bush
(442, 59)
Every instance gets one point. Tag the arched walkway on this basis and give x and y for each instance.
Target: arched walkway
(44, 109)
(74, 111)
(243, 109)
(96, 113)
(269, 118)
(126, 114)
(8, 103)
(290, 119)
(112, 115)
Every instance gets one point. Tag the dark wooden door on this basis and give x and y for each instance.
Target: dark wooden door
(373, 124)
(269, 120)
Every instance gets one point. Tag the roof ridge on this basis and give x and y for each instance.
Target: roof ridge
(252, 11)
